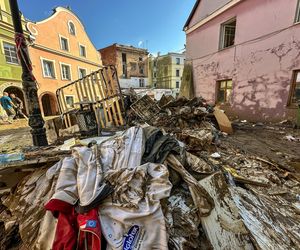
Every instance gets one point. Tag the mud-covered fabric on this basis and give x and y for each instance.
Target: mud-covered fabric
(26, 202)
(133, 218)
(158, 145)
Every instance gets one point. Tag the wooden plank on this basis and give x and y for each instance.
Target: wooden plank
(105, 93)
(65, 104)
(223, 121)
(81, 89)
(98, 82)
(115, 92)
(111, 93)
(224, 227)
(87, 82)
(92, 81)
(271, 220)
(77, 91)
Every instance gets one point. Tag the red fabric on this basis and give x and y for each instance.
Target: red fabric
(89, 228)
(56, 206)
(67, 227)
(73, 229)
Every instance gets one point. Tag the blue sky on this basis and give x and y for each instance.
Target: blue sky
(153, 24)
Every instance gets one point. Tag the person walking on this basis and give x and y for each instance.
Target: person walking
(19, 106)
(3, 115)
(8, 106)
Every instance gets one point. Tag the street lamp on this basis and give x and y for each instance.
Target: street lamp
(36, 121)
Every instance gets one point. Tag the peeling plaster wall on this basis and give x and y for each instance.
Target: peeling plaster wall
(260, 64)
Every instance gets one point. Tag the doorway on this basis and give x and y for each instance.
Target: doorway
(18, 93)
(49, 104)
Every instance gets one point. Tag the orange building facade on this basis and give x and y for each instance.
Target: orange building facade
(61, 52)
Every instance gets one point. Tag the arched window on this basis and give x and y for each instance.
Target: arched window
(72, 29)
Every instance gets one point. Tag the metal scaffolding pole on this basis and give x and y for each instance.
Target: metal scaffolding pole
(36, 121)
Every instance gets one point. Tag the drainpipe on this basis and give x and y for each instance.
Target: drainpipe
(36, 121)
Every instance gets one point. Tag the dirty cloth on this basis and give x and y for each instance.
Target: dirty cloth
(181, 214)
(80, 177)
(80, 180)
(137, 189)
(200, 196)
(133, 218)
(158, 145)
(36, 226)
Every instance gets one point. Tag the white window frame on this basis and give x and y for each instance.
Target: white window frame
(222, 33)
(73, 96)
(178, 59)
(3, 51)
(176, 72)
(61, 71)
(63, 37)
(42, 64)
(79, 46)
(69, 22)
(79, 68)
(142, 82)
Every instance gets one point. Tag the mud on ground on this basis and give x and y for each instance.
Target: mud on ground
(267, 141)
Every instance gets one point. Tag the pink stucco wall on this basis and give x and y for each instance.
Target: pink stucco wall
(261, 63)
(205, 8)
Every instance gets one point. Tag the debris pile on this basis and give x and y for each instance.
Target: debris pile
(166, 184)
(173, 115)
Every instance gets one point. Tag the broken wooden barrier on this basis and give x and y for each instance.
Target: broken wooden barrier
(224, 226)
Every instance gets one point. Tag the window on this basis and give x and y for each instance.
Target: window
(141, 69)
(133, 66)
(154, 74)
(82, 50)
(124, 65)
(295, 88)
(65, 72)
(224, 91)
(142, 83)
(48, 69)
(82, 73)
(140, 59)
(70, 101)
(177, 61)
(10, 53)
(72, 29)
(155, 63)
(177, 85)
(227, 34)
(124, 58)
(177, 72)
(64, 44)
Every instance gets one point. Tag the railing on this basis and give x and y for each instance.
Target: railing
(100, 89)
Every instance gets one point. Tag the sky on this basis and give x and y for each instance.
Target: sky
(153, 24)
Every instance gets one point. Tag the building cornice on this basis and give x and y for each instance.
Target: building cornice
(11, 79)
(212, 16)
(41, 47)
(8, 27)
(133, 50)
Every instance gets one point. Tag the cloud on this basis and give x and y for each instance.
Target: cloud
(140, 43)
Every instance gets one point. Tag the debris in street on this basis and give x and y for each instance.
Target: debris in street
(5, 158)
(215, 155)
(224, 227)
(223, 121)
(291, 138)
(179, 182)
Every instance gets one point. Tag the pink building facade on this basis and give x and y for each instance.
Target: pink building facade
(246, 56)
